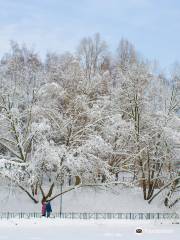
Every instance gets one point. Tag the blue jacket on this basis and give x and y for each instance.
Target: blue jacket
(48, 207)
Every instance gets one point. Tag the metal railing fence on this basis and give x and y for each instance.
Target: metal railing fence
(85, 215)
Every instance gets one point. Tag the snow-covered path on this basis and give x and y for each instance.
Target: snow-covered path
(55, 229)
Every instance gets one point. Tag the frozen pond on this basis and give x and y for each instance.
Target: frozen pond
(55, 229)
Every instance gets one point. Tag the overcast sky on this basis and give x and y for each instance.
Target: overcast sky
(58, 25)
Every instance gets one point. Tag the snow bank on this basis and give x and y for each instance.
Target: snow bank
(86, 200)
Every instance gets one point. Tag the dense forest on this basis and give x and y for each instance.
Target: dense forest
(86, 118)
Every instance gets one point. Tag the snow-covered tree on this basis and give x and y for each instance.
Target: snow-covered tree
(92, 52)
(83, 120)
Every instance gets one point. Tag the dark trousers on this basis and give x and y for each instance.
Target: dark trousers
(48, 214)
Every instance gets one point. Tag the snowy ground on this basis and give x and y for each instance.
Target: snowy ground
(86, 200)
(46, 229)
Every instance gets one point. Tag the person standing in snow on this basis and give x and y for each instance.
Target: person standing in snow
(48, 209)
(43, 209)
